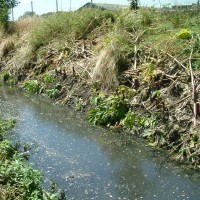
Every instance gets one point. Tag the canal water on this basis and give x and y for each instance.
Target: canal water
(89, 162)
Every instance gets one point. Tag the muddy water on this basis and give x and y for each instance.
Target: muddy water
(88, 162)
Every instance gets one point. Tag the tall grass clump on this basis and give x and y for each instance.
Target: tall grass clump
(68, 26)
(7, 46)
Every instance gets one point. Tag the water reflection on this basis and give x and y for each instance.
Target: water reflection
(89, 163)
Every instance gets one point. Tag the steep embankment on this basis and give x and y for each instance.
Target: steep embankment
(138, 71)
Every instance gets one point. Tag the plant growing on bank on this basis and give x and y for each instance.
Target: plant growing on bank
(184, 34)
(48, 78)
(52, 93)
(5, 77)
(109, 110)
(67, 25)
(17, 179)
(32, 86)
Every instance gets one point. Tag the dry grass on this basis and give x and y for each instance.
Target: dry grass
(7, 46)
(105, 70)
(20, 58)
(25, 25)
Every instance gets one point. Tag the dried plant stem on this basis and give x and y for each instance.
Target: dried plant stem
(194, 91)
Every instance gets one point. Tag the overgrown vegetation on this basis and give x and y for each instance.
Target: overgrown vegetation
(141, 70)
(68, 26)
(17, 179)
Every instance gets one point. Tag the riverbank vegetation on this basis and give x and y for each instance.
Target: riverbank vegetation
(132, 70)
(17, 179)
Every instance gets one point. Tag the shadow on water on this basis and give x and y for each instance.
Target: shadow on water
(89, 162)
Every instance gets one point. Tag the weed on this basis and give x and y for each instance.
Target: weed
(147, 17)
(108, 111)
(130, 120)
(6, 76)
(32, 86)
(53, 93)
(17, 173)
(196, 65)
(12, 82)
(184, 34)
(5, 126)
(80, 104)
(48, 78)
(7, 151)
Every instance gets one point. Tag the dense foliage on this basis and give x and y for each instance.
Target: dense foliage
(5, 6)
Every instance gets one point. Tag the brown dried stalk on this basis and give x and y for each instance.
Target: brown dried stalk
(194, 91)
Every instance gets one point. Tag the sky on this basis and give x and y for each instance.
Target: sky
(44, 6)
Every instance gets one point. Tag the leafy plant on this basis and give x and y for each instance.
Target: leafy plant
(32, 86)
(196, 65)
(148, 73)
(6, 149)
(6, 76)
(130, 120)
(5, 126)
(17, 173)
(53, 93)
(108, 111)
(80, 104)
(184, 34)
(12, 82)
(48, 78)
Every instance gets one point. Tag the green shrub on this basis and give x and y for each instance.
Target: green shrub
(130, 120)
(6, 76)
(48, 78)
(32, 86)
(19, 174)
(184, 34)
(53, 93)
(108, 111)
(196, 65)
(6, 149)
(5, 126)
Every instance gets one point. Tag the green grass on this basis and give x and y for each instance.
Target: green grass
(67, 26)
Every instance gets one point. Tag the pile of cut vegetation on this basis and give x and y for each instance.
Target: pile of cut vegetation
(130, 70)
